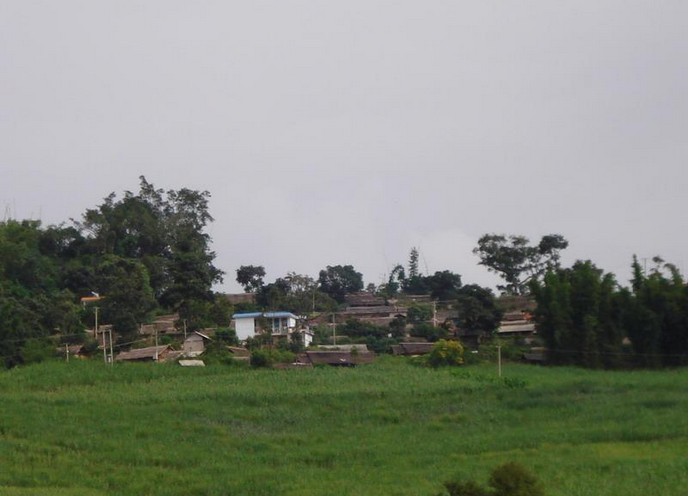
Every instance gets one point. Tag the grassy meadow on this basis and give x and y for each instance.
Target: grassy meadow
(391, 428)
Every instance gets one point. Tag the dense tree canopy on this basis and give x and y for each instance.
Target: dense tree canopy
(250, 277)
(338, 280)
(516, 261)
(142, 252)
(585, 318)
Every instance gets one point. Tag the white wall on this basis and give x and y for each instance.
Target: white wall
(244, 328)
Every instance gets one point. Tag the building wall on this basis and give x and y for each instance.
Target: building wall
(193, 345)
(244, 328)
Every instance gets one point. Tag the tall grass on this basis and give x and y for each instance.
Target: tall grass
(389, 428)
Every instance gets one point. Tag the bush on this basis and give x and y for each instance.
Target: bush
(467, 488)
(509, 479)
(267, 358)
(513, 479)
(430, 332)
(446, 353)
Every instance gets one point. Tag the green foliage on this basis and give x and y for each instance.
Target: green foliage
(466, 488)
(397, 326)
(429, 331)
(478, 311)
(419, 312)
(584, 317)
(443, 285)
(656, 315)
(250, 277)
(516, 261)
(265, 357)
(226, 336)
(446, 353)
(513, 479)
(339, 280)
(37, 350)
(508, 479)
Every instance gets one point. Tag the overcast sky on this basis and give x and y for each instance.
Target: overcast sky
(347, 132)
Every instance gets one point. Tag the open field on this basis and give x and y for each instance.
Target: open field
(392, 428)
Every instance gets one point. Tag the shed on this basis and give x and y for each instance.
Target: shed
(150, 354)
(340, 358)
(195, 344)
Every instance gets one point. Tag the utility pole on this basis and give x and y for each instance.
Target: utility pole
(67, 353)
(333, 327)
(156, 338)
(434, 313)
(499, 359)
(110, 336)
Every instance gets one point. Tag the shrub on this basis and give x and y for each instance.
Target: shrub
(430, 332)
(446, 353)
(509, 479)
(513, 479)
(467, 488)
(267, 358)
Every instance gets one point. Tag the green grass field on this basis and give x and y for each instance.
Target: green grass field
(392, 428)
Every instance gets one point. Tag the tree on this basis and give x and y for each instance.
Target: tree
(577, 316)
(657, 315)
(516, 261)
(446, 353)
(129, 298)
(339, 280)
(413, 263)
(163, 231)
(419, 312)
(250, 277)
(477, 310)
(32, 303)
(444, 285)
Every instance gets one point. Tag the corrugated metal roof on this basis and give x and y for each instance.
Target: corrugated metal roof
(268, 315)
(149, 353)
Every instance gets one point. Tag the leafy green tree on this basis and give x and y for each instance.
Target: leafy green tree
(250, 277)
(396, 281)
(443, 285)
(516, 261)
(446, 353)
(164, 232)
(577, 317)
(338, 280)
(477, 310)
(419, 312)
(413, 263)
(657, 315)
(429, 331)
(32, 303)
(397, 326)
(129, 298)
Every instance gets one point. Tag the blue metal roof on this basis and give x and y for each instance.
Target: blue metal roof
(247, 315)
(268, 315)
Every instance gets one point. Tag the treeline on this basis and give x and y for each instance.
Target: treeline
(144, 254)
(585, 318)
(148, 253)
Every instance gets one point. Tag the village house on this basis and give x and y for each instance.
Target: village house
(149, 354)
(195, 344)
(280, 324)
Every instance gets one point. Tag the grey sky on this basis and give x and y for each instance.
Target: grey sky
(347, 132)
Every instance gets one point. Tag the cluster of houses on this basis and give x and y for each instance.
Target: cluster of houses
(365, 307)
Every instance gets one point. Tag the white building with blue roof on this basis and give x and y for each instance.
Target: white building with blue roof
(280, 324)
